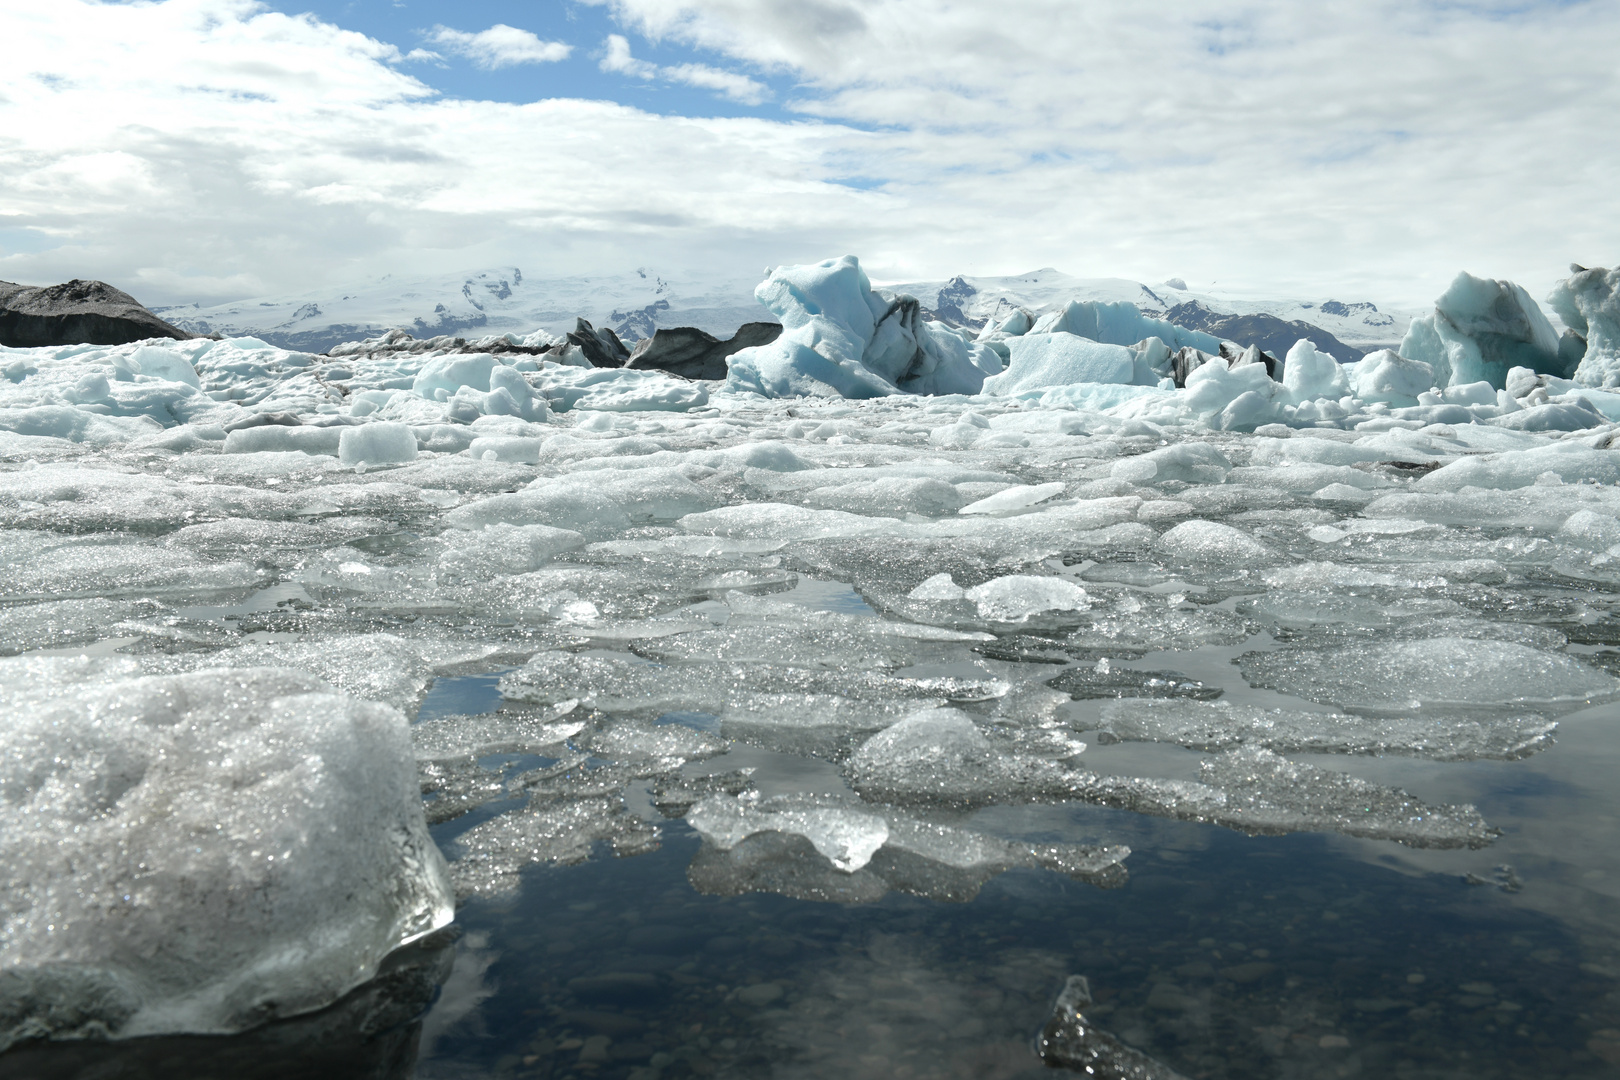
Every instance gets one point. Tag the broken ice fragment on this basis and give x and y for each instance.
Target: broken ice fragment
(280, 818)
(1437, 673)
(1223, 725)
(1106, 681)
(1070, 1041)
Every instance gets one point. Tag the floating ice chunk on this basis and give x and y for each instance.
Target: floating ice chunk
(1591, 529)
(1041, 360)
(449, 738)
(1569, 461)
(1480, 328)
(633, 740)
(131, 802)
(1015, 498)
(781, 521)
(58, 623)
(1309, 374)
(1119, 323)
(1016, 597)
(1388, 377)
(841, 339)
(1212, 542)
(377, 444)
(505, 448)
(938, 587)
(596, 504)
(754, 845)
(1589, 303)
(279, 438)
(846, 836)
(42, 566)
(378, 667)
(544, 831)
(502, 549)
(936, 755)
(1266, 793)
(1070, 1041)
(1445, 672)
(1187, 462)
(1214, 387)
(1223, 725)
(450, 373)
(888, 496)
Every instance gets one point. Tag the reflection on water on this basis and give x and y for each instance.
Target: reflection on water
(1217, 956)
(370, 1034)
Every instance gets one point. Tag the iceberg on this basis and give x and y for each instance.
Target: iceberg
(1479, 329)
(1589, 303)
(843, 339)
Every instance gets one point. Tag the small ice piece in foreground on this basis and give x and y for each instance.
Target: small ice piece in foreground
(847, 836)
(1438, 673)
(1070, 1041)
(377, 444)
(204, 853)
(1015, 498)
(1223, 725)
(824, 847)
(938, 587)
(1017, 597)
(1209, 541)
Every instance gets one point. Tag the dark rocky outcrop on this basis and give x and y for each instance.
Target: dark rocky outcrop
(1270, 333)
(76, 313)
(601, 347)
(696, 354)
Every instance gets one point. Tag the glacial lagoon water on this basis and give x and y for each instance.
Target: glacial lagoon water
(781, 738)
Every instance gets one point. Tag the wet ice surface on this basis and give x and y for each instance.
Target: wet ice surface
(805, 738)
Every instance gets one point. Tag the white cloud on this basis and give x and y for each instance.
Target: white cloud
(1359, 150)
(740, 88)
(500, 46)
(616, 58)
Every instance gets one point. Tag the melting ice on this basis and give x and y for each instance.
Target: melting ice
(914, 554)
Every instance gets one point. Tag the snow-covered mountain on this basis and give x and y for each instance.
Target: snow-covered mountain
(501, 300)
(634, 304)
(971, 300)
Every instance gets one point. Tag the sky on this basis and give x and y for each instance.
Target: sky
(210, 150)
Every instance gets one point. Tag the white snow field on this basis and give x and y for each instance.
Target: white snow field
(923, 561)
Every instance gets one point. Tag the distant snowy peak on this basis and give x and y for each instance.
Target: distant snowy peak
(971, 301)
(636, 303)
(501, 300)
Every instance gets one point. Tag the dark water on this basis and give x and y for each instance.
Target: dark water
(1223, 956)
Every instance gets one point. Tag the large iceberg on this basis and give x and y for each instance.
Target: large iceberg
(1589, 303)
(842, 339)
(1480, 329)
(200, 852)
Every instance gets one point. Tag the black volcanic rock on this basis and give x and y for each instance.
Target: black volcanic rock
(1271, 334)
(76, 313)
(601, 347)
(948, 308)
(696, 354)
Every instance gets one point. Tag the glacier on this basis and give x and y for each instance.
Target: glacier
(956, 572)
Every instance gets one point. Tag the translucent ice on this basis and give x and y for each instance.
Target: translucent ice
(1212, 542)
(1444, 672)
(1223, 725)
(1480, 328)
(1589, 304)
(280, 818)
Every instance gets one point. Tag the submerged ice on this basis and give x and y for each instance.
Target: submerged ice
(928, 565)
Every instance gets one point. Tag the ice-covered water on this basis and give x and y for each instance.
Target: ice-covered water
(801, 736)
